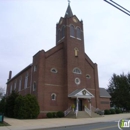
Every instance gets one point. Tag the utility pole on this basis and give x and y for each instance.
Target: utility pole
(117, 6)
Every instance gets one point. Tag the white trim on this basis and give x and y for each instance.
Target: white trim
(79, 38)
(72, 36)
(53, 69)
(78, 81)
(79, 94)
(105, 96)
(77, 69)
(53, 94)
(88, 77)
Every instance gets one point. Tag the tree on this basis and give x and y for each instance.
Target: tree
(2, 105)
(2, 92)
(26, 107)
(119, 89)
(10, 103)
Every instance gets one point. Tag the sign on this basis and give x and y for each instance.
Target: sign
(124, 124)
(1, 117)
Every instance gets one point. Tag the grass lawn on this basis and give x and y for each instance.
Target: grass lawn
(4, 124)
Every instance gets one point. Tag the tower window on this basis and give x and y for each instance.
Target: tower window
(53, 70)
(78, 30)
(72, 31)
(76, 71)
(53, 96)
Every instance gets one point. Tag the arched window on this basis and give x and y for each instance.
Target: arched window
(76, 71)
(26, 81)
(72, 31)
(11, 89)
(63, 31)
(53, 96)
(53, 70)
(78, 30)
(34, 86)
(20, 83)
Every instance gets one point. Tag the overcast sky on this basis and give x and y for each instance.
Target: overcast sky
(27, 26)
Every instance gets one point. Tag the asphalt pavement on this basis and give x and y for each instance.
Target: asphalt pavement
(66, 123)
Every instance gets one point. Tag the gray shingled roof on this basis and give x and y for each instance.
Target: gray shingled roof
(68, 12)
(104, 93)
(74, 92)
(78, 93)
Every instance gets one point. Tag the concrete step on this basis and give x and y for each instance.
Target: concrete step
(95, 114)
(83, 114)
(71, 115)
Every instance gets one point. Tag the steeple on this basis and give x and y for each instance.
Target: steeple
(68, 11)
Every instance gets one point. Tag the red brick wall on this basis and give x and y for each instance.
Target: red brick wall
(104, 103)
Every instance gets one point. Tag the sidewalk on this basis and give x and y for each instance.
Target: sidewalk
(57, 122)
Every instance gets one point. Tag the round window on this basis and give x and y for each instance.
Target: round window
(77, 81)
(88, 76)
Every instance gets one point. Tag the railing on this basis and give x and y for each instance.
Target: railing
(93, 108)
(88, 111)
(67, 111)
(97, 110)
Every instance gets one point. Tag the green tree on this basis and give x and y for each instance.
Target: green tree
(2, 105)
(26, 107)
(10, 103)
(119, 89)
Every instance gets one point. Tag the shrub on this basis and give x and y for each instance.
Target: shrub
(54, 114)
(112, 111)
(117, 111)
(60, 114)
(49, 115)
(107, 112)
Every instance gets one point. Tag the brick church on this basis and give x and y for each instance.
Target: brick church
(63, 75)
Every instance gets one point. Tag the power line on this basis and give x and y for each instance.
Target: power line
(117, 6)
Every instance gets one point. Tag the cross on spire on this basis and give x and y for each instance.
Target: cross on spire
(68, 11)
(68, 1)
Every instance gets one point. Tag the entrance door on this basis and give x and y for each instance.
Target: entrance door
(79, 104)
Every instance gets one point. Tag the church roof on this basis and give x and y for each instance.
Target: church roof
(104, 93)
(68, 12)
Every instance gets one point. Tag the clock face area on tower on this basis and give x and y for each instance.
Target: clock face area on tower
(61, 21)
(75, 19)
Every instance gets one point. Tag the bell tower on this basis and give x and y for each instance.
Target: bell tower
(69, 32)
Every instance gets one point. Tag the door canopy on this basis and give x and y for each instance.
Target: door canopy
(81, 93)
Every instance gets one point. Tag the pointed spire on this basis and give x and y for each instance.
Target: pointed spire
(68, 11)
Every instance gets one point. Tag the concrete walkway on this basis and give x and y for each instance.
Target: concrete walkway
(57, 122)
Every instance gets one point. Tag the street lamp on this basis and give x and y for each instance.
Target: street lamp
(117, 6)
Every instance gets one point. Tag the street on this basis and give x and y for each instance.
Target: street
(94, 126)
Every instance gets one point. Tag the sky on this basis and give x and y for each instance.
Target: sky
(27, 26)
